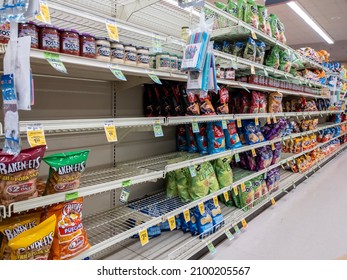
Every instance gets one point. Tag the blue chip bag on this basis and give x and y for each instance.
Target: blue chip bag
(201, 139)
(216, 214)
(153, 231)
(253, 133)
(178, 222)
(193, 225)
(184, 224)
(215, 137)
(181, 139)
(203, 221)
(232, 139)
(164, 226)
(192, 146)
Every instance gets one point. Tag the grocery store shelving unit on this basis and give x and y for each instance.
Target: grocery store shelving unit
(74, 108)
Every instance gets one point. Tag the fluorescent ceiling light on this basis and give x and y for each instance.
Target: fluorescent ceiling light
(175, 3)
(296, 8)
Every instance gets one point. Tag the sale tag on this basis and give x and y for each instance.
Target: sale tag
(256, 121)
(226, 196)
(172, 223)
(224, 124)
(275, 119)
(239, 123)
(110, 131)
(156, 44)
(215, 201)
(237, 158)
(268, 120)
(192, 171)
(36, 135)
(195, 126)
(124, 196)
(236, 191)
(273, 201)
(244, 223)
(54, 60)
(243, 187)
(117, 72)
(143, 234)
(112, 29)
(254, 36)
(71, 196)
(211, 248)
(186, 215)
(254, 154)
(237, 229)
(201, 207)
(252, 70)
(273, 146)
(44, 14)
(158, 130)
(229, 235)
(155, 78)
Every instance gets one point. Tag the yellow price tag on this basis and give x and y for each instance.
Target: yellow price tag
(275, 119)
(112, 30)
(215, 201)
(256, 121)
(254, 35)
(268, 120)
(244, 223)
(36, 135)
(252, 70)
(243, 187)
(239, 123)
(201, 208)
(273, 146)
(254, 154)
(172, 223)
(44, 14)
(186, 215)
(143, 234)
(111, 133)
(273, 201)
(226, 196)
(236, 191)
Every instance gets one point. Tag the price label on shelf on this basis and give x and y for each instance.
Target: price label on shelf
(71, 196)
(256, 121)
(273, 146)
(195, 126)
(237, 229)
(112, 29)
(243, 187)
(254, 154)
(268, 120)
(158, 130)
(237, 158)
(252, 70)
(226, 196)
(244, 224)
(36, 135)
(126, 183)
(172, 223)
(44, 14)
(156, 44)
(215, 201)
(192, 171)
(211, 248)
(224, 124)
(186, 215)
(254, 35)
(274, 119)
(117, 72)
(110, 131)
(201, 207)
(155, 78)
(273, 201)
(54, 60)
(229, 235)
(236, 191)
(124, 196)
(239, 123)
(143, 234)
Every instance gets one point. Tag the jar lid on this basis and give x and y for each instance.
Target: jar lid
(87, 35)
(48, 26)
(143, 48)
(185, 27)
(69, 30)
(116, 42)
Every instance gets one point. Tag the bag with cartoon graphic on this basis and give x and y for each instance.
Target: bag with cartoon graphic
(247, 197)
(215, 138)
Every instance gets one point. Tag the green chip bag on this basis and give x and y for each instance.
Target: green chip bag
(232, 8)
(229, 203)
(251, 14)
(273, 59)
(65, 171)
(183, 181)
(258, 189)
(236, 197)
(220, 5)
(241, 6)
(247, 197)
(170, 184)
(223, 171)
(285, 61)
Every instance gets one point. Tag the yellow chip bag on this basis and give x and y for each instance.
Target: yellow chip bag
(35, 243)
(13, 227)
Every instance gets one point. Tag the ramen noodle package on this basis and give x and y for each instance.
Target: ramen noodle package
(13, 227)
(215, 138)
(275, 102)
(18, 175)
(35, 243)
(70, 238)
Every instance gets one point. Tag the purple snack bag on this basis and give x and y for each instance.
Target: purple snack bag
(264, 158)
(277, 153)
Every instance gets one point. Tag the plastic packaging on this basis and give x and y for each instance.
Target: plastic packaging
(216, 138)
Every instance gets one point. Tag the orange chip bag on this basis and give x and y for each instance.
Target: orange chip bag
(35, 243)
(13, 227)
(70, 236)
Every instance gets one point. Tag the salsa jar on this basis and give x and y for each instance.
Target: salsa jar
(29, 29)
(87, 45)
(5, 33)
(103, 49)
(143, 57)
(49, 38)
(117, 52)
(130, 54)
(70, 41)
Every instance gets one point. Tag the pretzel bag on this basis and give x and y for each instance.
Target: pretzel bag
(65, 171)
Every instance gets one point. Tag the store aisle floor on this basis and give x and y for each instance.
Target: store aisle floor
(308, 223)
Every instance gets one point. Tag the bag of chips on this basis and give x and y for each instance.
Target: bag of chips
(11, 228)
(34, 243)
(203, 221)
(181, 139)
(223, 171)
(275, 102)
(285, 61)
(258, 189)
(18, 175)
(232, 139)
(250, 50)
(65, 171)
(273, 58)
(221, 101)
(70, 238)
(215, 137)
(183, 180)
(216, 214)
(247, 197)
(201, 139)
(170, 184)
(241, 4)
(251, 14)
(192, 145)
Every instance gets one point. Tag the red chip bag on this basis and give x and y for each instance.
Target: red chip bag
(262, 103)
(255, 102)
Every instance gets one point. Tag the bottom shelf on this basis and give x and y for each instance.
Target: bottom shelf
(179, 245)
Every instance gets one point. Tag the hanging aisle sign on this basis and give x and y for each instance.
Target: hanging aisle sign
(191, 3)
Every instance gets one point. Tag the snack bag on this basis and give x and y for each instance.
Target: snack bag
(181, 139)
(204, 221)
(255, 102)
(65, 171)
(170, 184)
(232, 8)
(201, 139)
(216, 214)
(281, 37)
(260, 52)
(274, 26)
(206, 107)
(193, 225)
(232, 138)
(18, 175)
(70, 238)
(275, 102)
(264, 158)
(277, 153)
(11, 228)
(184, 224)
(258, 189)
(190, 102)
(183, 180)
(250, 50)
(262, 103)
(192, 145)
(273, 59)
(223, 171)
(241, 4)
(247, 197)
(236, 197)
(221, 100)
(34, 243)
(238, 49)
(216, 138)
(252, 133)
(251, 14)
(285, 61)
(262, 14)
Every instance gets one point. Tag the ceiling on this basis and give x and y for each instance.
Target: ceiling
(329, 14)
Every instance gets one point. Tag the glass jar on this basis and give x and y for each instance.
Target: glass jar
(49, 38)
(130, 54)
(87, 45)
(174, 62)
(179, 62)
(163, 61)
(29, 29)
(222, 73)
(103, 49)
(117, 52)
(217, 71)
(143, 57)
(230, 74)
(185, 33)
(152, 61)
(70, 41)
(5, 33)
